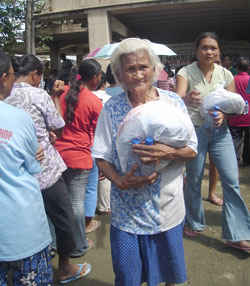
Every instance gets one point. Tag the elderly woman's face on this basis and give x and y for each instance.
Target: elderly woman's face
(136, 72)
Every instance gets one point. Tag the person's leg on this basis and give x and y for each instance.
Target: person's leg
(126, 258)
(4, 271)
(246, 147)
(192, 192)
(163, 257)
(34, 270)
(213, 179)
(235, 214)
(91, 200)
(59, 209)
(76, 181)
(237, 135)
(103, 200)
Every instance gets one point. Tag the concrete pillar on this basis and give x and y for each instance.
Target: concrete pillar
(99, 28)
(55, 57)
(79, 58)
(99, 31)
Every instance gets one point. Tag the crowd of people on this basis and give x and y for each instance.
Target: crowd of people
(60, 165)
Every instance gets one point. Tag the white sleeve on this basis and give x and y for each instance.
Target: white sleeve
(103, 140)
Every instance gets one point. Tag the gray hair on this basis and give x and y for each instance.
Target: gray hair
(133, 45)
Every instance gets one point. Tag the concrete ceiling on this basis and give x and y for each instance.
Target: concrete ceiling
(182, 22)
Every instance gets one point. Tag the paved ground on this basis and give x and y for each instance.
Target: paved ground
(209, 261)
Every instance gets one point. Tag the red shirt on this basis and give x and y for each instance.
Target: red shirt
(241, 81)
(74, 145)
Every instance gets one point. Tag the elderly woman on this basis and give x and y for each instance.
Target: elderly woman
(146, 240)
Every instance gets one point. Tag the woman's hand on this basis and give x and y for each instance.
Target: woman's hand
(154, 153)
(192, 99)
(52, 137)
(39, 153)
(58, 88)
(129, 180)
(219, 119)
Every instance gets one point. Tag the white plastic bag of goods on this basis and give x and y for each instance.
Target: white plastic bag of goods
(163, 122)
(227, 101)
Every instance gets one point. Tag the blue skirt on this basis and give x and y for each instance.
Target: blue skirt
(148, 258)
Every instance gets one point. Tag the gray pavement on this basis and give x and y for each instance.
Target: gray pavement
(209, 261)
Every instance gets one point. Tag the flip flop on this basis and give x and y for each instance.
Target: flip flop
(78, 275)
(216, 201)
(236, 245)
(95, 225)
(189, 232)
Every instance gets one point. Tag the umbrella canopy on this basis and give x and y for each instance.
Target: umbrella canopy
(93, 53)
(106, 51)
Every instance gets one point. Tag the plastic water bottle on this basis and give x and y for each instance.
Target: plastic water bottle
(147, 170)
(214, 128)
(246, 108)
(210, 119)
(133, 158)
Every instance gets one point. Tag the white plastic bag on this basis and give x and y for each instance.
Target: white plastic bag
(228, 102)
(161, 121)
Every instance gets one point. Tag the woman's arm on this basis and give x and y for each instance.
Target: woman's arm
(191, 98)
(153, 154)
(129, 180)
(57, 91)
(231, 87)
(219, 120)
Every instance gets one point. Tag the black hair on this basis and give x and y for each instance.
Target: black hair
(227, 56)
(102, 82)
(204, 35)
(4, 63)
(109, 75)
(243, 64)
(73, 74)
(88, 68)
(29, 63)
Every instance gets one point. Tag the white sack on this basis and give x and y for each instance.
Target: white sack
(228, 102)
(161, 121)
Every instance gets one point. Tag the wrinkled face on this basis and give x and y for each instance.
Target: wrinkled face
(207, 51)
(136, 72)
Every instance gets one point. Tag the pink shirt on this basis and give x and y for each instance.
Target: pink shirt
(241, 81)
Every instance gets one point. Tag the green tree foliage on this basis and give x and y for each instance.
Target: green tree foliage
(11, 19)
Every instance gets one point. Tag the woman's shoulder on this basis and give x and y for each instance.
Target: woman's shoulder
(221, 71)
(170, 97)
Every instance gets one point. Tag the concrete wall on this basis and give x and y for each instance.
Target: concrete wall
(62, 5)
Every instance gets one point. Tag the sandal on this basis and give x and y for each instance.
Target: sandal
(91, 243)
(190, 232)
(78, 274)
(94, 224)
(238, 245)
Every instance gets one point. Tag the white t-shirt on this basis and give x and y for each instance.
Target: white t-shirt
(153, 208)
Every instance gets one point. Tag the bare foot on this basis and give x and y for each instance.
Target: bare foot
(242, 245)
(71, 271)
(215, 200)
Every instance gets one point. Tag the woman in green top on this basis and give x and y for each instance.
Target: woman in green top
(193, 83)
